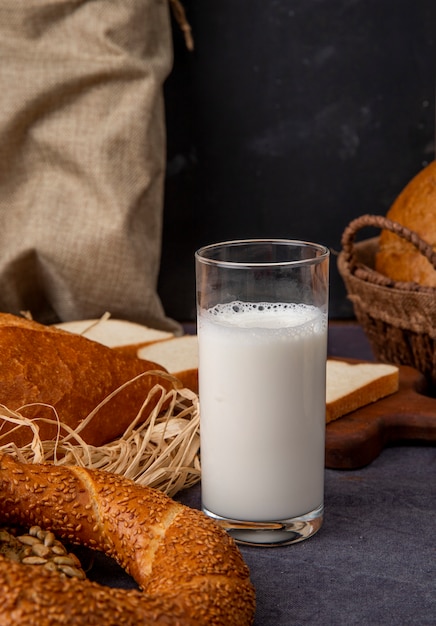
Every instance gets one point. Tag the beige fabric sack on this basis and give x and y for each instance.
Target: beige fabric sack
(82, 157)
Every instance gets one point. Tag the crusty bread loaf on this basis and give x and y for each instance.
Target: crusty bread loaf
(353, 385)
(415, 208)
(189, 569)
(178, 355)
(124, 335)
(42, 364)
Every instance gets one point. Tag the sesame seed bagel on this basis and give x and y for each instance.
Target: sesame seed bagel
(188, 569)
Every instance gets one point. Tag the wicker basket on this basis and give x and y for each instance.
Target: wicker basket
(399, 319)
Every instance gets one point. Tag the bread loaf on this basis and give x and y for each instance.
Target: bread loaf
(189, 570)
(46, 366)
(415, 208)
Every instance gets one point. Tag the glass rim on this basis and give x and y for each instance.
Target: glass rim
(202, 257)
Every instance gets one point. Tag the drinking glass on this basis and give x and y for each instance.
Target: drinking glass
(262, 311)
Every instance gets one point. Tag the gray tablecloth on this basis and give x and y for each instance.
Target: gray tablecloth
(373, 563)
(374, 560)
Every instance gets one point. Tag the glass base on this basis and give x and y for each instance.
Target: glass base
(275, 533)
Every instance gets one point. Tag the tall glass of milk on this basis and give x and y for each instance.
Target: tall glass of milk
(262, 308)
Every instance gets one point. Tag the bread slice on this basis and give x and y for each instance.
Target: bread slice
(349, 386)
(353, 385)
(123, 335)
(178, 355)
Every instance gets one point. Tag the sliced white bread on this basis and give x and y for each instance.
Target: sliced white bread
(351, 386)
(115, 333)
(348, 386)
(178, 355)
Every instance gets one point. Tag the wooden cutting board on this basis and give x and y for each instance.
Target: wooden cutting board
(407, 416)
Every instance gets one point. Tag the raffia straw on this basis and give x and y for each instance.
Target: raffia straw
(160, 451)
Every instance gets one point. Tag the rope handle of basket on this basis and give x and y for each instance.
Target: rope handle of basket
(384, 223)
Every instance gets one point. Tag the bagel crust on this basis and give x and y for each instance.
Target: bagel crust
(188, 569)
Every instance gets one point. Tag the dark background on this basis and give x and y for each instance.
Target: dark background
(289, 119)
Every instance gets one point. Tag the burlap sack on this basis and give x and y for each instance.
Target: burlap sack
(399, 319)
(82, 157)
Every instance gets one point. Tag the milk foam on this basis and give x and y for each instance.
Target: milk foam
(276, 315)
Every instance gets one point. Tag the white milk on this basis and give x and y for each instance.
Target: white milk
(262, 405)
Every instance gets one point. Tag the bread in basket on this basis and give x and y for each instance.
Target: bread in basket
(397, 313)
